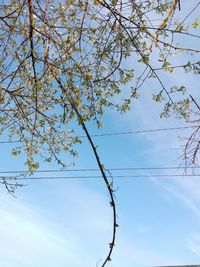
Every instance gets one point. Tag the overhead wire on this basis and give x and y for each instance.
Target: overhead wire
(97, 177)
(96, 169)
(120, 133)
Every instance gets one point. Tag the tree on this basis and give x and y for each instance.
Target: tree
(64, 61)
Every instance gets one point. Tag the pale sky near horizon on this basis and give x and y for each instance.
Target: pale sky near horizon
(63, 223)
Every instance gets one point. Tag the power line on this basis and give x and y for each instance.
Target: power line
(96, 169)
(143, 131)
(97, 177)
(121, 133)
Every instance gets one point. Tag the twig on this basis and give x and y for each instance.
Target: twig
(193, 100)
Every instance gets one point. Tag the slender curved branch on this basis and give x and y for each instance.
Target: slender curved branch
(101, 168)
(108, 185)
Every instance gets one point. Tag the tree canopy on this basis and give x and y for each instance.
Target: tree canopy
(54, 53)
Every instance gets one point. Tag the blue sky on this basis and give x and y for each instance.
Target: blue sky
(68, 222)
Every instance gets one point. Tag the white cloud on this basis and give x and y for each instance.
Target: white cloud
(193, 243)
(186, 190)
(31, 238)
(130, 252)
(27, 239)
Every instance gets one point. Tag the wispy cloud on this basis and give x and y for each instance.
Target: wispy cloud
(193, 243)
(31, 238)
(25, 242)
(178, 189)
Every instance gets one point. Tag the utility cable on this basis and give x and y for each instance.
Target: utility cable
(121, 133)
(99, 177)
(111, 169)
